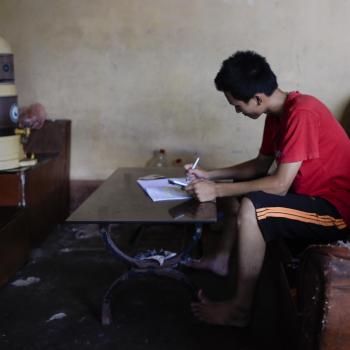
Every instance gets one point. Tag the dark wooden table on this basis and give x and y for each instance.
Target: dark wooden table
(121, 200)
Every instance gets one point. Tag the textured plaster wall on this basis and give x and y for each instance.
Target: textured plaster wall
(136, 75)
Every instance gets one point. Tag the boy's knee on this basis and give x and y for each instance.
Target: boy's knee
(246, 211)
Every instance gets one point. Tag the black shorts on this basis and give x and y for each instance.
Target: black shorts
(297, 217)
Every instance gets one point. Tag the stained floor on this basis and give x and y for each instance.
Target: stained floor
(70, 273)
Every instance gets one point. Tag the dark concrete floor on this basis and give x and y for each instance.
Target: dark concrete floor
(75, 270)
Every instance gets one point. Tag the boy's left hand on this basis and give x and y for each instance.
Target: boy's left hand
(203, 190)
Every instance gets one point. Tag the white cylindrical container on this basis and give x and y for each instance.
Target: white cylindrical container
(8, 94)
(11, 150)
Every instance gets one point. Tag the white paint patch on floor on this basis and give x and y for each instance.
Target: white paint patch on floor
(23, 282)
(58, 316)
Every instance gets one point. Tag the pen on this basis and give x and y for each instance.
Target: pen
(177, 183)
(195, 163)
(188, 178)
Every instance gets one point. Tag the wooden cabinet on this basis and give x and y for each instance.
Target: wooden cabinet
(34, 200)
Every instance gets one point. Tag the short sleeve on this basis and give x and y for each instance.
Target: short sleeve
(268, 142)
(300, 137)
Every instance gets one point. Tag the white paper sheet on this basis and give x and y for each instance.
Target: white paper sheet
(161, 190)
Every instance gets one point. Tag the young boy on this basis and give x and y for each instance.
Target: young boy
(306, 198)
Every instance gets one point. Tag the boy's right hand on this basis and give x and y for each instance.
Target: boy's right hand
(193, 174)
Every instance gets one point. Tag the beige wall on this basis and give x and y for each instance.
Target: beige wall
(136, 75)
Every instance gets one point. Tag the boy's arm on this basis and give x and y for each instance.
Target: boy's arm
(251, 169)
(277, 183)
(248, 170)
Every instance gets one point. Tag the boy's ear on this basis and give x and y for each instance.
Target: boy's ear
(258, 99)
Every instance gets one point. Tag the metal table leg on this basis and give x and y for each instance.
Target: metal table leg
(138, 268)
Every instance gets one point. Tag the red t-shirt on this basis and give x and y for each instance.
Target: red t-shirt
(308, 132)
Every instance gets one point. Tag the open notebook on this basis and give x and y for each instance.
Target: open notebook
(161, 190)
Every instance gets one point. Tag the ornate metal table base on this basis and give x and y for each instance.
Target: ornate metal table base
(139, 268)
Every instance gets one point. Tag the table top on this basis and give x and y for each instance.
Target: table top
(120, 199)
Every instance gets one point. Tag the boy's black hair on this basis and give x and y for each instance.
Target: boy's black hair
(245, 74)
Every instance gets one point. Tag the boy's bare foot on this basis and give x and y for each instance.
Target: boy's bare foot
(219, 313)
(217, 264)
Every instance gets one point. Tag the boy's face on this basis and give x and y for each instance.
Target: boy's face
(253, 109)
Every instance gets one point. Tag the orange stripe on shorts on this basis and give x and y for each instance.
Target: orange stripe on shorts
(299, 215)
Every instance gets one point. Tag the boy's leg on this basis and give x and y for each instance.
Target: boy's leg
(262, 218)
(251, 252)
(218, 261)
